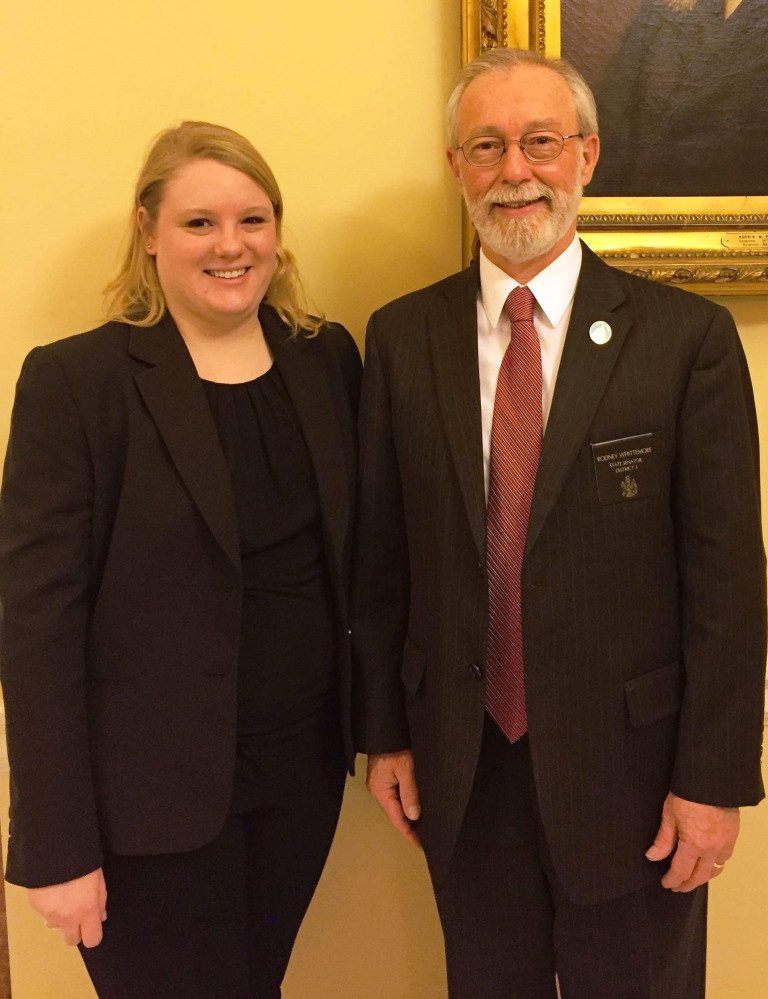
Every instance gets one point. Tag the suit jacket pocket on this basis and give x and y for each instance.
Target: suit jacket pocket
(655, 695)
(412, 671)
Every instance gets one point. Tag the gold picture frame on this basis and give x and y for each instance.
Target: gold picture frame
(710, 245)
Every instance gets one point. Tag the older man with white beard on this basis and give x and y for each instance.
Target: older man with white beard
(559, 613)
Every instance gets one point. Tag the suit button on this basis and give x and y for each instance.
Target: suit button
(477, 670)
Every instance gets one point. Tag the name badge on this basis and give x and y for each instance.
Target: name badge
(625, 468)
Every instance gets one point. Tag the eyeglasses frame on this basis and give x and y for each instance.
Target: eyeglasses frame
(519, 142)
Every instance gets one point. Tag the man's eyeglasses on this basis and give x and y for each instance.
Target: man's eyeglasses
(537, 147)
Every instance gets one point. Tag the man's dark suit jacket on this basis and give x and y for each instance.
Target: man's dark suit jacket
(643, 619)
(121, 587)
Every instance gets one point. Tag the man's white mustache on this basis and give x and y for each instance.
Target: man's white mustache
(518, 196)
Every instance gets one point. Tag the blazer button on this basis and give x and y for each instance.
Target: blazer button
(477, 670)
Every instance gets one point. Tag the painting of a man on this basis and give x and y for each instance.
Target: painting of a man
(682, 93)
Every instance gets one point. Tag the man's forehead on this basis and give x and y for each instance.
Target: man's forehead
(530, 96)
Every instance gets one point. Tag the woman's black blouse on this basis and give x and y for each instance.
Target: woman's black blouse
(286, 665)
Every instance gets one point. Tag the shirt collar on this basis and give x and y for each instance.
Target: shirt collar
(553, 288)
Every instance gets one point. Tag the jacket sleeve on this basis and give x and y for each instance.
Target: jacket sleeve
(380, 590)
(45, 542)
(347, 356)
(716, 508)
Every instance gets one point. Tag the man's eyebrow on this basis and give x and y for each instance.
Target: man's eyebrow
(486, 130)
(535, 125)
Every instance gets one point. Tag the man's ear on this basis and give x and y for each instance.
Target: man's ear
(591, 151)
(453, 162)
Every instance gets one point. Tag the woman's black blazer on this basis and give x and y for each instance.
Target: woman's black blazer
(121, 588)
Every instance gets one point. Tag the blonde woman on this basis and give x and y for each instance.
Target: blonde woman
(174, 545)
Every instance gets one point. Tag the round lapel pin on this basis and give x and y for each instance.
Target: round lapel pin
(600, 332)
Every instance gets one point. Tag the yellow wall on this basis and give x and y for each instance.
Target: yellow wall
(343, 98)
(345, 101)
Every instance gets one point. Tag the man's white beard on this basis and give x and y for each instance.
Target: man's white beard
(529, 237)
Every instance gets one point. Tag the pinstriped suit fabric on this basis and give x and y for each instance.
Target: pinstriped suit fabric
(643, 620)
(515, 448)
(508, 924)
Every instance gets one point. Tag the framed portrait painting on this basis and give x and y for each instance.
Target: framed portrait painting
(681, 190)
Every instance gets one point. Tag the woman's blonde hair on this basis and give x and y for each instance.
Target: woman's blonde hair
(134, 296)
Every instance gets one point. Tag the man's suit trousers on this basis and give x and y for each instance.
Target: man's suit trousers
(510, 929)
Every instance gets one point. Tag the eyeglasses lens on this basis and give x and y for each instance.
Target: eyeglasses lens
(538, 147)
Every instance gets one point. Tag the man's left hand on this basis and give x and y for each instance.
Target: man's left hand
(705, 836)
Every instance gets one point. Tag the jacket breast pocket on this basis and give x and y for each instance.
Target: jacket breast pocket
(412, 670)
(655, 695)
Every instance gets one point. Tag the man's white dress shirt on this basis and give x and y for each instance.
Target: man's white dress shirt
(553, 288)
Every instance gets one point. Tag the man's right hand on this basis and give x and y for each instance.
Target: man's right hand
(392, 782)
(77, 908)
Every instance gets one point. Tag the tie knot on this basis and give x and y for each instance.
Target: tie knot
(519, 305)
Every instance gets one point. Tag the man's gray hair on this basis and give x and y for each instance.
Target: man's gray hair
(504, 60)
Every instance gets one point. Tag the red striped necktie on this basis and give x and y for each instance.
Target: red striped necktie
(515, 449)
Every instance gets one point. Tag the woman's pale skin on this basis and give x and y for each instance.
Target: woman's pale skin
(215, 245)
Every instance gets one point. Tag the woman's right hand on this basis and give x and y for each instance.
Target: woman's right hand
(77, 908)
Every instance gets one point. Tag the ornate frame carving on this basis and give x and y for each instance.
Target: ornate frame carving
(714, 246)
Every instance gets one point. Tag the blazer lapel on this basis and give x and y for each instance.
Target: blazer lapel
(585, 368)
(172, 392)
(304, 373)
(453, 345)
